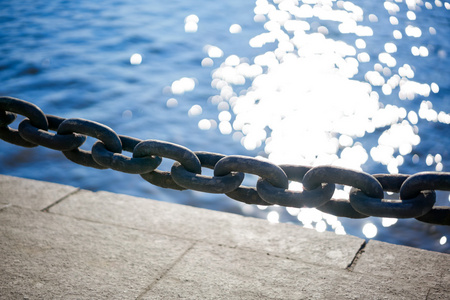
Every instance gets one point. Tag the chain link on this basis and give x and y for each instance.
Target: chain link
(62, 142)
(285, 197)
(93, 129)
(11, 106)
(273, 173)
(122, 163)
(416, 192)
(207, 184)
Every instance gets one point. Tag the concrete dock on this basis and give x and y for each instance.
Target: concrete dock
(60, 242)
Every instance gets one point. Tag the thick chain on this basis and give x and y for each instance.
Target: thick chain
(416, 192)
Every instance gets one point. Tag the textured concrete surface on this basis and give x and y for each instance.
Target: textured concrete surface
(31, 193)
(59, 242)
(211, 226)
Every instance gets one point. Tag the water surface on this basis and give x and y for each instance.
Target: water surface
(358, 84)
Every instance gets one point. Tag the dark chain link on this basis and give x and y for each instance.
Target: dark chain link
(284, 197)
(273, 173)
(198, 182)
(416, 192)
(50, 140)
(122, 163)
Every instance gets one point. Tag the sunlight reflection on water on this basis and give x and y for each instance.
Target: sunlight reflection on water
(306, 101)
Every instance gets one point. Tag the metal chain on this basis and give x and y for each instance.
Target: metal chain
(416, 192)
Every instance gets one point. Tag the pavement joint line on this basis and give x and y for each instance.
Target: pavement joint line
(274, 254)
(358, 254)
(196, 241)
(46, 209)
(125, 227)
(145, 291)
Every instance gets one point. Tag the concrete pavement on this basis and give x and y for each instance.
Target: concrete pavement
(60, 242)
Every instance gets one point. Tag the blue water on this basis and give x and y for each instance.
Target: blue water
(72, 59)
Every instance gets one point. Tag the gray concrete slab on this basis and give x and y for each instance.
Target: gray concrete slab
(108, 246)
(216, 227)
(46, 256)
(31, 193)
(415, 265)
(219, 272)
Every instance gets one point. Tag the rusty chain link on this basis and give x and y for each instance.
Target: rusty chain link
(416, 192)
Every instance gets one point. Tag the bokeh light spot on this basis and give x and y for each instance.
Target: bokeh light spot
(370, 230)
(136, 59)
(235, 28)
